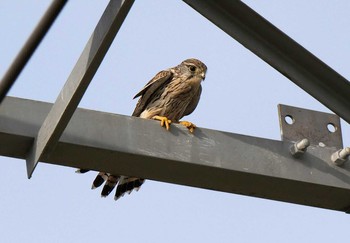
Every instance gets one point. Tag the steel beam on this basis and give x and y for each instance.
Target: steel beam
(280, 51)
(30, 46)
(78, 81)
(207, 159)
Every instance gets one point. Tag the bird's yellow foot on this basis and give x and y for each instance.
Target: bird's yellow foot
(189, 125)
(163, 121)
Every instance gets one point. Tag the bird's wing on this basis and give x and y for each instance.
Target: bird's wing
(194, 102)
(146, 93)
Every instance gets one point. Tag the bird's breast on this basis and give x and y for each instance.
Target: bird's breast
(194, 82)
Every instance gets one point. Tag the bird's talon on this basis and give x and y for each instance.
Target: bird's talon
(190, 126)
(163, 121)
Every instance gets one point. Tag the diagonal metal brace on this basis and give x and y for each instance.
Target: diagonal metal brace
(30, 46)
(280, 51)
(78, 81)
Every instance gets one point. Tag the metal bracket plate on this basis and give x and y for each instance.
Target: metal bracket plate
(322, 129)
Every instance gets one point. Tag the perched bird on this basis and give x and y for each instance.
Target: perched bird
(172, 94)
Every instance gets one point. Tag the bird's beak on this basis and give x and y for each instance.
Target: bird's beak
(203, 76)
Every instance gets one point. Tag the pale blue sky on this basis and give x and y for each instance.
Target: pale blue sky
(240, 95)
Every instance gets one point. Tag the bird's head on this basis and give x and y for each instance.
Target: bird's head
(194, 68)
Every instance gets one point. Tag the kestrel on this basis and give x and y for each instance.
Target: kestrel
(172, 94)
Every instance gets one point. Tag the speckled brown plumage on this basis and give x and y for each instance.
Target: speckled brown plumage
(169, 96)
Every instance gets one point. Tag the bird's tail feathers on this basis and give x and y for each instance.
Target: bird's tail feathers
(111, 182)
(81, 171)
(99, 180)
(126, 185)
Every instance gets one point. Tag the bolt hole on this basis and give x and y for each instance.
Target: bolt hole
(289, 119)
(331, 127)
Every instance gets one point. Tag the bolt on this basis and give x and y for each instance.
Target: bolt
(300, 147)
(339, 157)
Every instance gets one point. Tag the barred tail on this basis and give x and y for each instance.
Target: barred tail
(124, 184)
(127, 184)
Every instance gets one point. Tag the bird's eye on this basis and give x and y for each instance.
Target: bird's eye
(192, 68)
